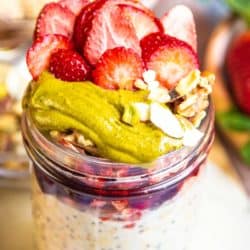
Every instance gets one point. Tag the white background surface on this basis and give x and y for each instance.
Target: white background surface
(224, 217)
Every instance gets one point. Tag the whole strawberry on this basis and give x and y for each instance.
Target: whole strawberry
(238, 66)
(68, 65)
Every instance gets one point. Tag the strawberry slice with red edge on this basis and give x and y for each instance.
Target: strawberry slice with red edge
(151, 43)
(38, 56)
(81, 22)
(107, 28)
(68, 65)
(171, 58)
(118, 68)
(75, 6)
(54, 19)
(179, 22)
(143, 23)
(238, 67)
(136, 4)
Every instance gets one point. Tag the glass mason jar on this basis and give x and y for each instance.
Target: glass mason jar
(86, 203)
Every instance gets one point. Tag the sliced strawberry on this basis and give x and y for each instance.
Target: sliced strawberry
(179, 22)
(170, 58)
(81, 24)
(75, 6)
(90, 20)
(68, 65)
(108, 29)
(151, 43)
(38, 56)
(136, 4)
(55, 19)
(239, 70)
(118, 68)
(143, 23)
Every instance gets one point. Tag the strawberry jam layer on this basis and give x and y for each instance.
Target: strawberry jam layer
(111, 202)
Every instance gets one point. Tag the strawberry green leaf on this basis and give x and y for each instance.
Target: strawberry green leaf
(241, 7)
(245, 153)
(234, 120)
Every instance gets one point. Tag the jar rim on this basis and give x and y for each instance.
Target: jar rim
(205, 128)
(173, 166)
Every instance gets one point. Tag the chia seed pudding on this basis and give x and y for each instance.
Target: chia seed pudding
(63, 222)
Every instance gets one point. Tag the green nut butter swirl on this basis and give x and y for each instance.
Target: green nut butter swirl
(96, 113)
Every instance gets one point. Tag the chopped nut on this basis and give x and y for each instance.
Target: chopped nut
(85, 142)
(153, 85)
(69, 138)
(187, 84)
(159, 95)
(188, 112)
(193, 103)
(54, 134)
(210, 76)
(196, 120)
(188, 102)
(140, 84)
(202, 104)
(205, 84)
(174, 96)
(149, 76)
(185, 123)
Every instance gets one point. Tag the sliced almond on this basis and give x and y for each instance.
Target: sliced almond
(192, 137)
(140, 84)
(153, 85)
(164, 119)
(149, 76)
(143, 110)
(160, 95)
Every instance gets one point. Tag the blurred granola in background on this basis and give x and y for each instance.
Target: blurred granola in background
(13, 79)
(20, 9)
(15, 35)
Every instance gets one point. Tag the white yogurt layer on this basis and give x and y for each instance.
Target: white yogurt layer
(60, 226)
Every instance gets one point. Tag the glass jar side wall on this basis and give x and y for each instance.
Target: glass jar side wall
(65, 219)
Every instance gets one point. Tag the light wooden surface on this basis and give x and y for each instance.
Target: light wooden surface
(15, 218)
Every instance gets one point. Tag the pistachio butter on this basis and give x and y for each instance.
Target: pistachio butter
(97, 114)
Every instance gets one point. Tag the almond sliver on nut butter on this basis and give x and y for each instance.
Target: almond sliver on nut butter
(163, 118)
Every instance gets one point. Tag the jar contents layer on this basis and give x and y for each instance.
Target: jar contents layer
(63, 222)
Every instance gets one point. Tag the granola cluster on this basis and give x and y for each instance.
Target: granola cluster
(10, 113)
(193, 96)
(10, 132)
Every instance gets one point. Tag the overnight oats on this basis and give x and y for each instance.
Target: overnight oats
(118, 124)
